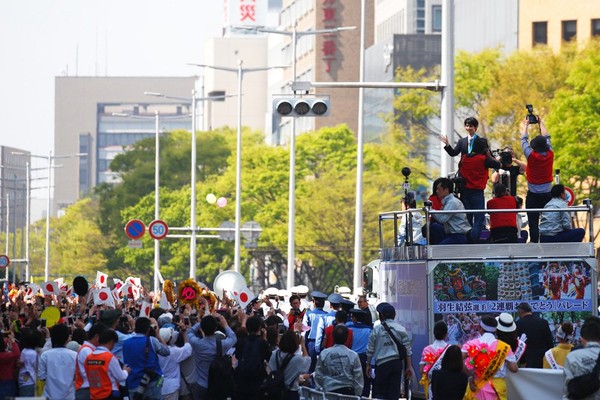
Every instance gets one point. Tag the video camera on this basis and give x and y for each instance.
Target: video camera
(531, 118)
(505, 157)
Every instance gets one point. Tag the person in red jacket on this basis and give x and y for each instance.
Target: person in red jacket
(9, 356)
(341, 317)
(474, 168)
(503, 226)
(540, 160)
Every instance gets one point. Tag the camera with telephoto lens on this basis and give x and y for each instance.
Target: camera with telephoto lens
(505, 157)
(531, 118)
(149, 375)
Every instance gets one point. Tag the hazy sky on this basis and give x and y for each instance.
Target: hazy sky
(41, 39)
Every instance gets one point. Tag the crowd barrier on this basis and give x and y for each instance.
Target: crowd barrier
(535, 383)
(314, 394)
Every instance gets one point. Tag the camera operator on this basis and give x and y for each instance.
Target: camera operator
(140, 353)
(474, 169)
(540, 160)
(513, 166)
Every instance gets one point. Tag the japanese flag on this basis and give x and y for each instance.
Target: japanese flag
(134, 281)
(60, 281)
(116, 293)
(118, 283)
(101, 279)
(164, 303)
(130, 291)
(69, 291)
(145, 310)
(104, 296)
(243, 296)
(32, 290)
(50, 287)
(64, 287)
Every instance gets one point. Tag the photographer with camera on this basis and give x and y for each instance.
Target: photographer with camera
(510, 169)
(140, 353)
(474, 169)
(540, 160)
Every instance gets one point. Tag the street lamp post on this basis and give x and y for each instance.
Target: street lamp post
(49, 158)
(292, 179)
(193, 228)
(238, 160)
(156, 119)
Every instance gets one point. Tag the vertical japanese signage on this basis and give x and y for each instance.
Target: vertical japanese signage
(246, 12)
(330, 20)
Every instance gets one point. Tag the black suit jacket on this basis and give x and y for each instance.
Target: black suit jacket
(462, 147)
(539, 340)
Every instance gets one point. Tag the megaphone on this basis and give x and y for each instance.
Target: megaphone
(229, 281)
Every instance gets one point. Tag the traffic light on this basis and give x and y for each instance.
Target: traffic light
(301, 106)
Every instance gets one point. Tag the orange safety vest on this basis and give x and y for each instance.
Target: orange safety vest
(96, 368)
(78, 377)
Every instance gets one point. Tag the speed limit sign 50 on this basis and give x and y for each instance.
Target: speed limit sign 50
(158, 229)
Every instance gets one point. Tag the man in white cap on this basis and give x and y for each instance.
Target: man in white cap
(170, 363)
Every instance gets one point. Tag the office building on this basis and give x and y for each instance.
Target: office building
(553, 22)
(331, 57)
(84, 123)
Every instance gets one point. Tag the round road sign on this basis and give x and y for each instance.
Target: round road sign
(135, 229)
(570, 196)
(158, 229)
(4, 261)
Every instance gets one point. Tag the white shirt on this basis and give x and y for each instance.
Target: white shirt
(27, 373)
(57, 368)
(170, 367)
(82, 354)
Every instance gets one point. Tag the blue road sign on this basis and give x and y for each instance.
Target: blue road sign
(135, 229)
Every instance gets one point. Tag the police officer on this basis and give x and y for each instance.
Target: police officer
(335, 301)
(311, 319)
(361, 331)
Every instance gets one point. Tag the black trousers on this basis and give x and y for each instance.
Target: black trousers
(388, 380)
(535, 200)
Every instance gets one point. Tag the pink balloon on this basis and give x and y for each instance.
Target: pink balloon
(221, 202)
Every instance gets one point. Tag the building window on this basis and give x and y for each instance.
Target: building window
(540, 33)
(569, 30)
(436, 19)
(596, 27)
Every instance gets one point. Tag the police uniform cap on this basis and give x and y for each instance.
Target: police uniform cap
(272, 291)
(385, 308)
(347, 302)
(283, 293)
(301, 289)
(318, 295)
(335, 298)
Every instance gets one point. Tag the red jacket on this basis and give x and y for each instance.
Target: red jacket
(539, 167)
(475, 171)
(501, 220)
(8, 361)
(329, 337)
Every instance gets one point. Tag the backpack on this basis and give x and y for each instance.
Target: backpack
(275, 387)
(584, 385)
(220, 375)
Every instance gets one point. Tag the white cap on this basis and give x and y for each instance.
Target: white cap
(168, 335)
(272, 291)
